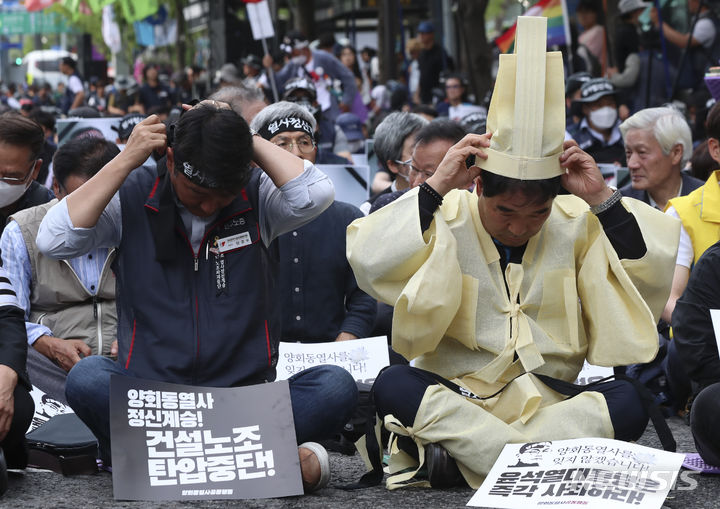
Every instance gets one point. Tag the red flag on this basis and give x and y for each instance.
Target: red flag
(38, 5)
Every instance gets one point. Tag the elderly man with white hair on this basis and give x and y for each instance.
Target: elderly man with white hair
(658, 143)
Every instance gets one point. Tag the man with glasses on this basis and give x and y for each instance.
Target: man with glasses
(432, 142)
(320, 299)
(21, 141)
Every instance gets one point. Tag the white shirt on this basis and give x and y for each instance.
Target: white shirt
(685, 248)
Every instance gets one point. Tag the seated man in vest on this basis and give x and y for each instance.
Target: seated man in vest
(320, 298)
(501, 295)
(69, 305)
(21, 142)
(16, 404)
(195, 268)
(598, 131)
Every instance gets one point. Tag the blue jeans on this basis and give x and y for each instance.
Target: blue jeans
(323, 399)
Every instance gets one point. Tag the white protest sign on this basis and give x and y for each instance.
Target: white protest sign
(715, 317)
(45, 408)
(181, 442)
(597, 473)
(362, 358)
(591, 373)
(260, 20)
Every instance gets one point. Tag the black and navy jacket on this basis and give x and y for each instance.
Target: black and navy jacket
(202, 318)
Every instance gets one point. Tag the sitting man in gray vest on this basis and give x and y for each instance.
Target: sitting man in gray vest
(69, 305)
(196, 268)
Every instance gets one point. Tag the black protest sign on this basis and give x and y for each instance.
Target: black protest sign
(180, 442)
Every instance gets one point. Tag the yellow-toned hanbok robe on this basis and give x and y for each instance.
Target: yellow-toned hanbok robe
(571, 299)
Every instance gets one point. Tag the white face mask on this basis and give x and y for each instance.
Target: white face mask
(299, 60)
(10, 194)
(604, 118)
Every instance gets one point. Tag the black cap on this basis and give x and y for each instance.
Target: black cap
(594, 89)
(575, 81)
(300, 84)
(127, 124)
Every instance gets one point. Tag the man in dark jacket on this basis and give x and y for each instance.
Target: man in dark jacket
(195, 268)
(697, 347)
(433, 60)
(16, 405)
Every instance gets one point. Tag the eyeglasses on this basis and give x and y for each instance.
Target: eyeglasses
(14, 181)
(415, 169)
(305, 146)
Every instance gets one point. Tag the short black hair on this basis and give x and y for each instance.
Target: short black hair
(69, 61)
(82, 157)
(45, 119)
(218, 142)
(440, 129)
(539, 191)
(20, 131)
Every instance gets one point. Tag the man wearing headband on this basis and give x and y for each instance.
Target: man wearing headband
(320, 299)
(500, 295)
(195, 267)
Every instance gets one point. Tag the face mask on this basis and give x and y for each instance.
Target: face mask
(604, 117)
(10, 194)
(299, 60)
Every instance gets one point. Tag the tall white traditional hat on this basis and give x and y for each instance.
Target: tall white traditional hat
(527, 110)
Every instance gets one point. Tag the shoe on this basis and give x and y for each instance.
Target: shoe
(314, 466)
(442, 471)
(3, 474)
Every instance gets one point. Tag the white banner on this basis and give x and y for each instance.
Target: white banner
(362, 358)
(715, 317)
(260, 20)
(591, 373)
(596, 473)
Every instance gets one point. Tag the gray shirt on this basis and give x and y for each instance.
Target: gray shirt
(281, 210)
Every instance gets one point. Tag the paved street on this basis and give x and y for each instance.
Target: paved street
(42, 489)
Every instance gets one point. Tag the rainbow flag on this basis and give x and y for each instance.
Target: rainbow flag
(553, 11)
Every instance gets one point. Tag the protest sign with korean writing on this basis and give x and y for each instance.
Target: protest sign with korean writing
(362, 358)
(591, 373)
(45, 408)
(715, 317)
(592, 472)
(180, 442)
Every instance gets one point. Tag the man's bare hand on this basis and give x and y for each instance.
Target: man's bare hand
(452, 173)
(147, 136)
(8, 381)
(345, 336)
(63, 352)
(114, 349)
(582, 176)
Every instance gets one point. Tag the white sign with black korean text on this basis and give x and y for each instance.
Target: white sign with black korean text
(591, 373)
(260, 20)
(45, 408)
(362, 358)
(180, 442)
(596, 473)
(715, 317)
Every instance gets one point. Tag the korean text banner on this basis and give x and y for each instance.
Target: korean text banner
(180, 442)
(596, 473)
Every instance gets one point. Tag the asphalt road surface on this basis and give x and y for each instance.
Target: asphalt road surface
(44, 489)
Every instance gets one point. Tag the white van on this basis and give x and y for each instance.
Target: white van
(43, 66)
